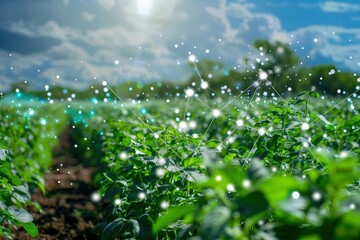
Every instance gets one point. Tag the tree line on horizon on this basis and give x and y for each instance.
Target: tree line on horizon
(285, 74)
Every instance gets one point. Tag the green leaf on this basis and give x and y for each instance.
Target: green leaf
(2, 154)
(252, 204)
(214, 222)
(324, 119)
(257, 170)
(278, 188)
(112, 229)
(172, 215)
(20, 214)
(30, 228)
(229, 157)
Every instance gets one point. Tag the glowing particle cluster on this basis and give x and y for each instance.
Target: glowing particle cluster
(189, 92)
(192, 58)
(239, 122)
(216, 113)
(263, 75)
(204, 85)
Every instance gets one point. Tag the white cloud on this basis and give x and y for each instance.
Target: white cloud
(87, 16)
(20, 28)
(333, 42)
(106, 4)
(54, 30)
(339, 7)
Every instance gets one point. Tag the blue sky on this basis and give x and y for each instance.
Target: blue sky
(77, 43)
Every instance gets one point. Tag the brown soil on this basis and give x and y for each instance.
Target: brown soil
(68, 212)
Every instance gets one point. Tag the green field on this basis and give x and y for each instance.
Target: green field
(196, 168)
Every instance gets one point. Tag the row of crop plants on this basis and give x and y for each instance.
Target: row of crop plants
(28, 132)
(284, 171)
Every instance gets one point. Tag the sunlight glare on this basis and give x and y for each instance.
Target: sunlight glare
(144, 7)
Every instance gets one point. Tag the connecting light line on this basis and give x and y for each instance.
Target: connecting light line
(230, 102)
(247, 158)
(202, 139)
(197, 71)
(316, 158)
(276, 91)
(187, 104)
(204, 103)
(355, 142)
(148, 127)
(335, 105)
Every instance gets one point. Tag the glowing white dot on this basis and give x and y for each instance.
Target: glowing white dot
(142, 195)
(160, 172)
(192, 58)
(161, 161)
(263, 75)
(95, 197)
(216, 113)
(239, 122)
(207, 50)
(116, 62)
(295, 195)
(246, 183)
(104, 83)
(230, 188)
(204, 85)
(117, 201)
(218, 178)
(189, 92)
(156, 135)
(164, 204)
(123, 156)
(57, 76)
(316, 196)
(43, 121)
(192, 124)
(262, 131)
(176, 46)
(31, 112)
(352, 206)
(305, 126)
(344, 154)
(182, 125)
(316, 40)
(195, 135)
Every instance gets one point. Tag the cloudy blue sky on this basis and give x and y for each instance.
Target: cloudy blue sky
(78, 42)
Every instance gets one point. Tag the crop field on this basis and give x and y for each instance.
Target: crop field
(195, 167)
(179, 120)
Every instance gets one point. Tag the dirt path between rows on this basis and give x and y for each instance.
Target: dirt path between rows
(68, 212)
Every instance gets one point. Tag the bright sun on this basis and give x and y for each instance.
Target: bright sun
(144, 7)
